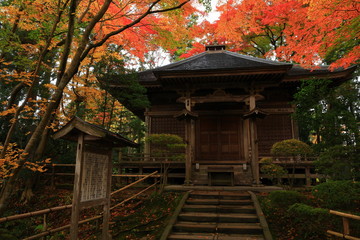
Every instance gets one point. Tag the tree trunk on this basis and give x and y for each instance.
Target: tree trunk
(66, 73)
(28, 193)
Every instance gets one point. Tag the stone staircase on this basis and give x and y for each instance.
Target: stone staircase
(217, 215)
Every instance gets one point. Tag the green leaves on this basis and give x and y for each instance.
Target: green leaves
(167, 145)
(340, 162)
(291, 147)
(329, 113)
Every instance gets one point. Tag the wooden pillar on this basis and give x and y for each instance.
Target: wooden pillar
(147, 132)
(188, 155)
(192, 135)
(254, 141)
(77, 188)
(189, 138)
(308, 176)
(254, 151)
(106, 215)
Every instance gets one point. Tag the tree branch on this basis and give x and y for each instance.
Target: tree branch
(134, 22)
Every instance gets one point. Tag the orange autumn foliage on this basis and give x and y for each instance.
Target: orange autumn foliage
(9, 162)
(308, 32)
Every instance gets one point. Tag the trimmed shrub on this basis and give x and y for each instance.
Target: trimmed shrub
(291, 147)
(310, 222)
(274, 171)
(167, 145)
(266, 160)
(338, 195)
(284, 199)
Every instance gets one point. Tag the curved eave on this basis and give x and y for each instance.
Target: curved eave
(339, 76)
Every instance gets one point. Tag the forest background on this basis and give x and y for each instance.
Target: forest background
(53, 54)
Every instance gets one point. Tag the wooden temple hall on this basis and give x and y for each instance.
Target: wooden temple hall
(229, 108)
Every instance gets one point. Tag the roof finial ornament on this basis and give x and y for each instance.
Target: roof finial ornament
(215, 47)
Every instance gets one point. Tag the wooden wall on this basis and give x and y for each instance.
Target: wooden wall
(167, 124)
(271, 129)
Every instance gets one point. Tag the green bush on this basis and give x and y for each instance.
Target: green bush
(266, 160)
(274, 171)
(309, 222)
(284, 199)
(340, 162)
(338, 195)
(291, 147)
(167, 145)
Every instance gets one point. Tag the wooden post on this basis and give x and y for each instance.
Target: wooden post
(256, 154)
(346, 226)
(147, 132)
(254, 142)
(188, 152)
(77, 188)
(192, 140)
(53, 176)
(254, 151)
(106, 216)
(45, 224)
(307, 176)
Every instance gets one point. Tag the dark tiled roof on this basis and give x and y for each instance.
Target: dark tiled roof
(211, 60)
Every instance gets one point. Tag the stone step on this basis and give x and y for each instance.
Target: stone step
(239, 237)
(247, 228)
(218, 217)
(218, 202)
(191, 236)
(213, 236)
(219, 208)
(228, 228)
(195, 227)
(220, 195)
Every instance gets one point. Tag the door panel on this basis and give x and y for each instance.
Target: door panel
(218, 138)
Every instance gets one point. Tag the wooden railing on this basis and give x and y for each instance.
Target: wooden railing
(45, 212)
(140, 157)
(346, 226)
(304, 164)
(58, 170)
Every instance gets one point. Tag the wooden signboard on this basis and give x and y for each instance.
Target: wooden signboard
(93, 170)
(94, 177)
(91, 184)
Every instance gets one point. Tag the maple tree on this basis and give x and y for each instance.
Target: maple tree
(308, 32)
(49, 50)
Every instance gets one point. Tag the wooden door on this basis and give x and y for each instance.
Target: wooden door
(219, 138)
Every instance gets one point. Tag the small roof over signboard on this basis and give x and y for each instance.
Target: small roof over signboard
(92, 134)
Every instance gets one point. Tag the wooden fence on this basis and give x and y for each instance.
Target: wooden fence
(133, 166)
(45, 212)
(304, 170)
(67, 170)
(346, 226)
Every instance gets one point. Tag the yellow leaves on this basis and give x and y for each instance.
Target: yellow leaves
(54, 125)
(50, 86)
(8, 112)
(38, 166)
(11, 161)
